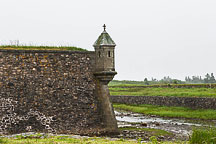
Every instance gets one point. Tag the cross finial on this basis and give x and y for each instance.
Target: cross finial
(104, 27)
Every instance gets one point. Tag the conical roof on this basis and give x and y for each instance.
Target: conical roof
(104, 39)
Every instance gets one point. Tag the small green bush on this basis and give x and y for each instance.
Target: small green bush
(203, 136)
(1, 141)
(153, 139)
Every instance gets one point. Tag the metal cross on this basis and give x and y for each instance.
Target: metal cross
(104, 27)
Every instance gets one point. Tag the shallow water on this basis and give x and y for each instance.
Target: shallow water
(179, 127)
(139, 118)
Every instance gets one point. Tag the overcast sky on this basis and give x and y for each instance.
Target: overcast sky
(154, 38)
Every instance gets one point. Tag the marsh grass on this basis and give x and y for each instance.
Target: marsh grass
(179, 92)
(203, 136)
(174, 112)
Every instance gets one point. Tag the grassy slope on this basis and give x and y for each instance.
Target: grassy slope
(12, 47)
(164, 111)
(181, 92)
(62, 140)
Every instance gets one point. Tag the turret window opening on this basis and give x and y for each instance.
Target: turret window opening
(109, 54)
(99, 54)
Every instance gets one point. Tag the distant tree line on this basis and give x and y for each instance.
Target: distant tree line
(165, 80)
(209, 78)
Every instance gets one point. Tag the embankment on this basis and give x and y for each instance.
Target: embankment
(191, 102)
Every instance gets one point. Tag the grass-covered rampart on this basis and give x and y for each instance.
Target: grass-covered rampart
(15, 47)
(179, 92)
(127, 83)
(134, 88)
(140, 85)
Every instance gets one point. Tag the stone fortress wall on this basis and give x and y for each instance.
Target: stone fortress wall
(55, 91)
(47, 91)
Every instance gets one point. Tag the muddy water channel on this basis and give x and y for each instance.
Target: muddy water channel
(180, 128)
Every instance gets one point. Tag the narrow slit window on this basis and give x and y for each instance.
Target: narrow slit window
(99, 54)
(109, 54)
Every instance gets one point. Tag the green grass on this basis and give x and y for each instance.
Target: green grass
(203, 136)
(65, 140)
(164, 111)
(180, 92)
(14, 47)
(126, 83)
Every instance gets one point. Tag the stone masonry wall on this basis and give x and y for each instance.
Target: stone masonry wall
(191, 102)
(48, 91)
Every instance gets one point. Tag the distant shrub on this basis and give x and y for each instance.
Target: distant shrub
(203, 136)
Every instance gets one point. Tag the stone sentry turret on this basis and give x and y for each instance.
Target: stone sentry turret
(104, 73)
(105, 57)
